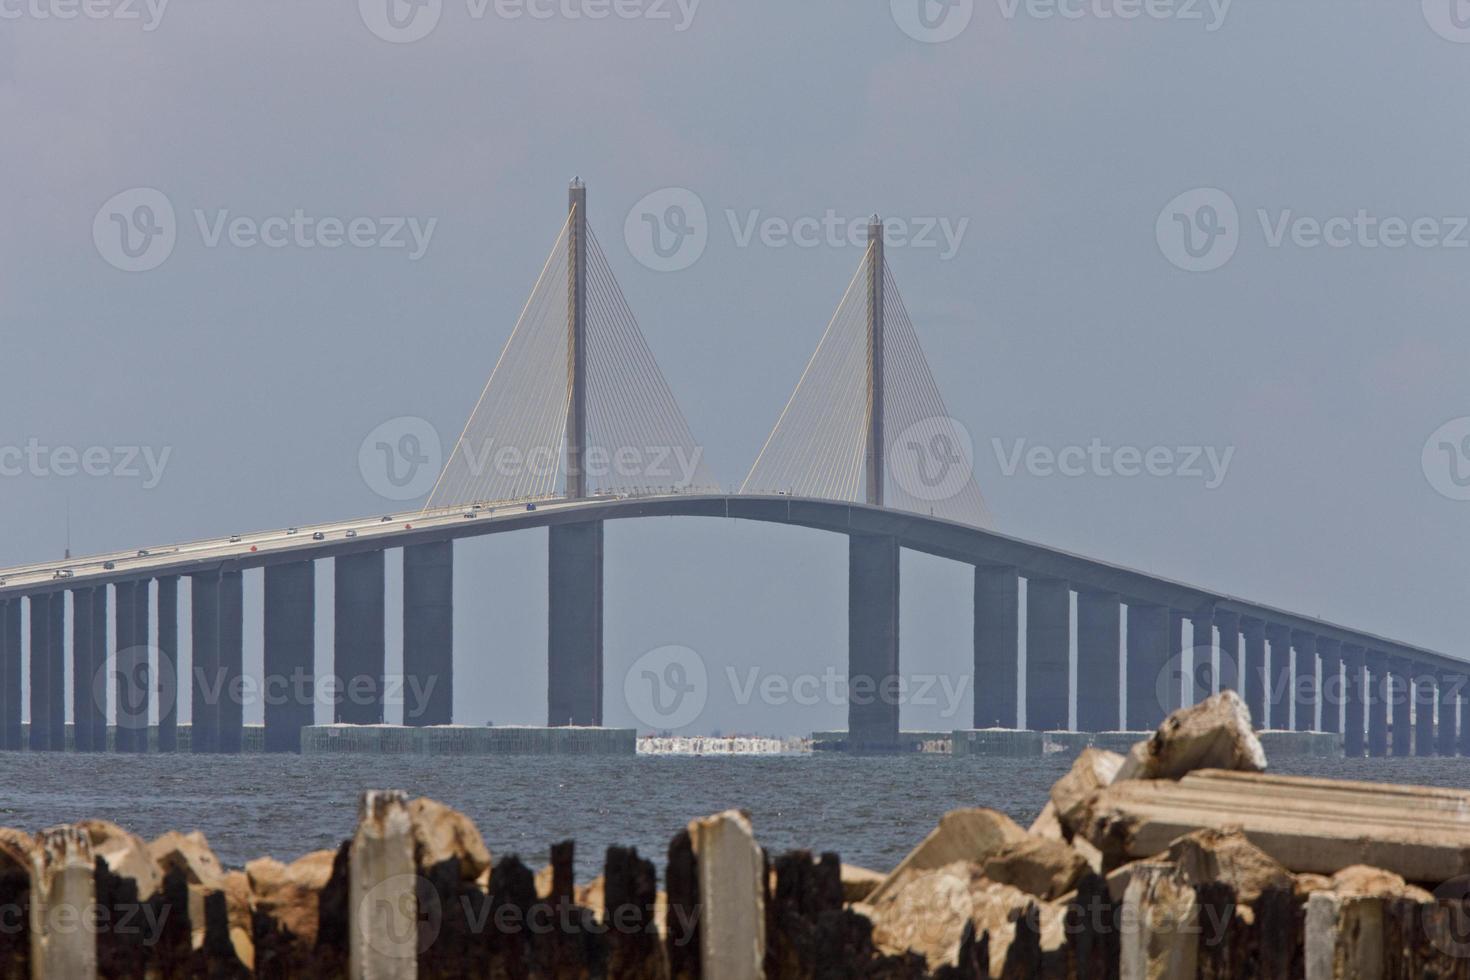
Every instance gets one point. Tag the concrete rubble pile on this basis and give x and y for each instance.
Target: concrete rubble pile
(1182, 859)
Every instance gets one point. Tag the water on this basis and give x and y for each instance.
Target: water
(871, 810)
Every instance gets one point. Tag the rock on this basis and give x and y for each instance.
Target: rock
(543, 882)
(962, 835)
(1360, 879)
(859, 883)
(1088, 853)
(288, 893)
(1038, 866)
(235, 885)
(442, 834)
(927, 913)
(1214, 734)
(1046, 824)
(1227, 856)
(190, 854)
(1071, 795)
(126, 855)
(1305, 884)
(1343, 937)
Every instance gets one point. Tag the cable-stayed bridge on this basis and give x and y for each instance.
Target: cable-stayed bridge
(576, 426)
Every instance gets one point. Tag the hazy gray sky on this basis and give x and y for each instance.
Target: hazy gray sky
(1048, 137)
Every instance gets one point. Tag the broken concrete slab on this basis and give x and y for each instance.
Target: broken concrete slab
(858, 884)
(62, 904)
(1228, 857)
(1421, 834)
(1215, 734)
(442, 833)
(1093, 770)
(962, 835)
(1161, 940)
(382, 924)
(125, 853)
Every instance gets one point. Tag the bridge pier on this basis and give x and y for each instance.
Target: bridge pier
(1253, 670)
(428, 633)
(574, 625)
(1201, 679)
(1148, 665)
(997, 646)
(359, 656)
(1379, 701)
(1423, 711)
(132, 669)
(1099, 661)
(1304, 687)
(11, 652)
(1279, 697)
(873, 694)
(167, 684)
(1330, 694)
(1357, 702)
(40, 739)
(1400, 697)
(230, 722)
(204, 595)
(290, 645)
(1048, 645)
(1445, 739)
(82, 669)
(1464, 739)
(1228, 674)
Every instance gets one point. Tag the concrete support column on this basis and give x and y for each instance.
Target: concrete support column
(1200, 682)
(97, 683)
(82, 670)
(166, 687)
(1464, 742)
(574, 625)
(1424, 701)
(1048, 648)
(231, 694)
(1356, 704)
(1279, 696)
(56, 662)
(1305, 688)
(131, 671)
(204, 590)
(428, 631)
(1400, 698)
(872, 642)
(359, 656)
(1445, 731)
(1377, 703)
(40, 739)
(1330, 693)
(997, 646)
(1148, 666)
(1253, 670)
(1181, 684)
(1229, 676)
(290, 654)
(11, 652)
(1099, 661)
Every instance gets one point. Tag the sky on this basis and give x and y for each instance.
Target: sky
(1230, 234)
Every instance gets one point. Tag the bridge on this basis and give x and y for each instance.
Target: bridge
(862, 449)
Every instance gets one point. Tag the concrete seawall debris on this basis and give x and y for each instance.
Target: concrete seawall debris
(1181, 858)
